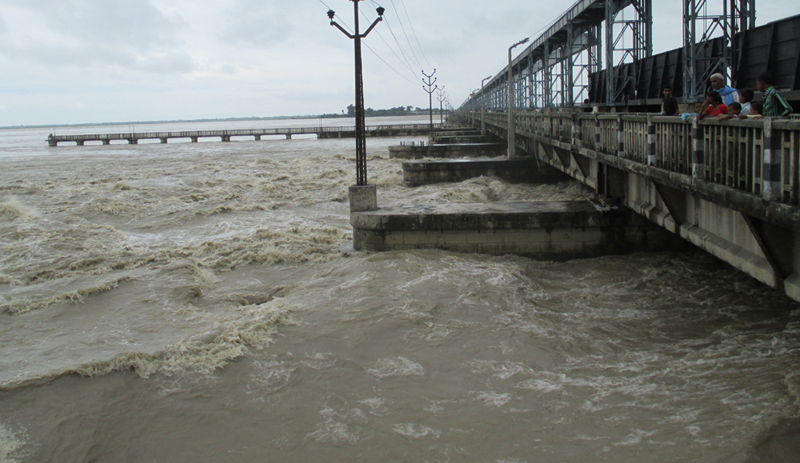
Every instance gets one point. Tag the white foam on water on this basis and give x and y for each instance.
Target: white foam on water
(11, 446)
(377, 406)
(12, 208)
(340, 427)
(249, 327)
(491, 398)
(416, 431)
(398, 366)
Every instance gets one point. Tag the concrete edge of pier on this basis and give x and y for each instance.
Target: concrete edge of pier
(549, 230)
(460, 150)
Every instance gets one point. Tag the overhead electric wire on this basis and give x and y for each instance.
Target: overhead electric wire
(406, 34)
(400, 47)
(413, 73)
(402, 2)
(390, 67)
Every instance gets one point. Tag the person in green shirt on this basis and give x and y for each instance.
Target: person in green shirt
(775, 104)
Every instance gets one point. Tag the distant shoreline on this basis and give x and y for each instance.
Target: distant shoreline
(231, 119)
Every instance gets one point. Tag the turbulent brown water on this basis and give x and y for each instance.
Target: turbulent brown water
(194, 303)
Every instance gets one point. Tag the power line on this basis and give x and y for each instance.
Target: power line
(390, 67)
(402, 2)
(400, 47)
(392, 50)
(406, 35)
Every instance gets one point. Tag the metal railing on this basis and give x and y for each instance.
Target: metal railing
(742, 154)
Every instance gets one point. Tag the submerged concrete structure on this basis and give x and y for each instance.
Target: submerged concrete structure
(551, 230)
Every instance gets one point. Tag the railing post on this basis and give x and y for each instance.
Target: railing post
(772, 188)
(576, 130)
(651, 141)
(620, 137)
(597, 134)
(698, 161)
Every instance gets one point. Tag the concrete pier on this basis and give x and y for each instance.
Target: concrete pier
(551, 230)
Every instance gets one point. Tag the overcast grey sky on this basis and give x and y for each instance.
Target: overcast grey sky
(75, 61)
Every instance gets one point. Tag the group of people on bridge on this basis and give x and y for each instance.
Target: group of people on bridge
(724, 102)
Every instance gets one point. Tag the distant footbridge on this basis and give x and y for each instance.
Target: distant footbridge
(257, 134)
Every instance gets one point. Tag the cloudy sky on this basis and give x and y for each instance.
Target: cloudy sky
(80, 61)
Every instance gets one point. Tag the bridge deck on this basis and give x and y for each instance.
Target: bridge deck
(225, 135)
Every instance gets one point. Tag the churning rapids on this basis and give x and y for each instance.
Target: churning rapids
(192, 302)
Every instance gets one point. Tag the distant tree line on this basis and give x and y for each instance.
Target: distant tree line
(369, 112)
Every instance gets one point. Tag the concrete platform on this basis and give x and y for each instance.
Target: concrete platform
(464, 150)
(519, 170)
(550, 230)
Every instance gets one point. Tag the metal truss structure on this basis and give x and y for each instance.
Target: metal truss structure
(602, 51)
(699, 26)
(555, 69)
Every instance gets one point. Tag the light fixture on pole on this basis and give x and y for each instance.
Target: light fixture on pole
(361, 142)
(483, 108)
(512, 147)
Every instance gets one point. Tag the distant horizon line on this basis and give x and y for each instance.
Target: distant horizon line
(211, 119)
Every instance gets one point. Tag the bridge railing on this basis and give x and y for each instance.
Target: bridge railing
(759, 156)
(240, 132)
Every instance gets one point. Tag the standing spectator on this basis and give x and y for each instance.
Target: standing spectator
(775, 104)
(728, 94)
(713, 106)
(669, 104)
(745, 97)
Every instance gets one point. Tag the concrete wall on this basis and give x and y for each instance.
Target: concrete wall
(520, 170)
(545, 230)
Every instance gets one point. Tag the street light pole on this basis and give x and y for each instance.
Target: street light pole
(512, 147)
(483, 108)
(361, 141)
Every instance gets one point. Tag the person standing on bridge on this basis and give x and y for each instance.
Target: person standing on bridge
(669, 104)
(775, 105)
(729, 95)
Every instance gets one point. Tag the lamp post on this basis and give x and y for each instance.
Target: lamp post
(512, 147)
(472, 107)
(483, 108)
(361, 142)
